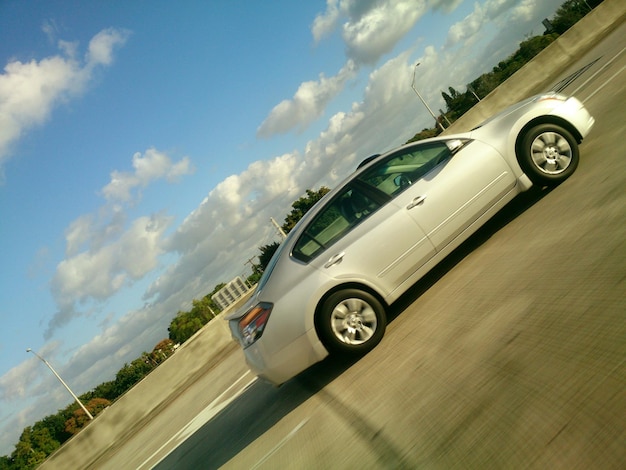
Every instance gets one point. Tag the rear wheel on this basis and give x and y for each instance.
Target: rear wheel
(548, 154)
(351, 322)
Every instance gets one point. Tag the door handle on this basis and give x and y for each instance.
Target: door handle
(335, 259)
(416, 202)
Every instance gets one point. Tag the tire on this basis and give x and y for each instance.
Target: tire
(548, 154)
(351, 323)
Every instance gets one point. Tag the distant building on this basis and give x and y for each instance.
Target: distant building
(230, 293)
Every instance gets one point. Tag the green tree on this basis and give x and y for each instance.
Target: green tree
(6, 463)
(105, 390)
(267, 251)
(457, 103)
(298, 209)
(185, 324)
(55, 425)
(569, 13)
(204, 309)
(302, 206)
(130, 374)
(32, 448)
(425, 134)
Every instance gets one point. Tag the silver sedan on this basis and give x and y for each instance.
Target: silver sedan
(329, 285)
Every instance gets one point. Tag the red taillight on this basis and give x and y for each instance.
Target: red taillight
(252, 324)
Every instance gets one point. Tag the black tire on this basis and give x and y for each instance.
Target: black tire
(548, 154)
(351, 323)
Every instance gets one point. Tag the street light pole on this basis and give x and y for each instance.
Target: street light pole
(424, 102)
(61, 380)
(279, 228)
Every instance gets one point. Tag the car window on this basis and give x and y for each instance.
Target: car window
(399, 171)
(344, 212)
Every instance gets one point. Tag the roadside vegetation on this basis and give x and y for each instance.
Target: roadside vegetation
(41, 439)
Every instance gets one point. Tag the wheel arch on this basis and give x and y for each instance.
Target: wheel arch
(556, 120)
(344, 286)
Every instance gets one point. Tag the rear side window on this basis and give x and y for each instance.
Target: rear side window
(399, 171)
(344, 212)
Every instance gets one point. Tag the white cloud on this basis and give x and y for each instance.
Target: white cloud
(30, 91)
(483, 14)
(490, 34)
(14, 384)
(95, 275)
(370, 29)
(101, 46)
(150, 166)
(325, 23)
(466, 28)
(49, 28)
(307, 105)
(103, 254)
(510, 19)
(375, 33)
(235, 205)
(92, 231)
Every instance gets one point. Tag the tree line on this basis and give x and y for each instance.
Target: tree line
(38, 441)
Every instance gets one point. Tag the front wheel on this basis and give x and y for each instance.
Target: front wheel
(548, 154)
(351, 322)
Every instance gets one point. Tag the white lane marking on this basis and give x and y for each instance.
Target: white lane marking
(200, 419)
(604, 84)
(597, 72)
(280, 444)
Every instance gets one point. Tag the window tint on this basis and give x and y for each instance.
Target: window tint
(399, 171)
(344, 212)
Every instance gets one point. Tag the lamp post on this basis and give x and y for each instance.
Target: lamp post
(424, 102)
(61, 380)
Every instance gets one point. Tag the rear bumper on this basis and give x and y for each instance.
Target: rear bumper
(279, 366)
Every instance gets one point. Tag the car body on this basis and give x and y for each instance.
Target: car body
(327, 288)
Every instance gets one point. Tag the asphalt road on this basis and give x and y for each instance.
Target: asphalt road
(511, 354)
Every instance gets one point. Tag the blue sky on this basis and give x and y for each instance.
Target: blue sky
(144, 146)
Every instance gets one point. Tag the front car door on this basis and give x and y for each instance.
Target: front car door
(445, 185)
